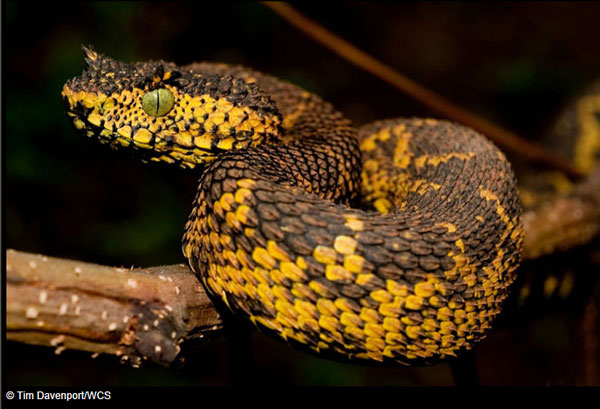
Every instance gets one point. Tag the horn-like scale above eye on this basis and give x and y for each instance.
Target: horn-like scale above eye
(158, 102)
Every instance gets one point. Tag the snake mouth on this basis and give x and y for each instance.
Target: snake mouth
(157, 149)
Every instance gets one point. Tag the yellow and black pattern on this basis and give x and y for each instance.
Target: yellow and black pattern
(397, 243)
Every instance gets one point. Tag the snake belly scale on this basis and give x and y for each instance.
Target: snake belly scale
(397, 242)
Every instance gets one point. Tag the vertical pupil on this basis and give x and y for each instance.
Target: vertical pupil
(157, 101)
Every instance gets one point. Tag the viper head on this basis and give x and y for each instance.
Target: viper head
(168, 113)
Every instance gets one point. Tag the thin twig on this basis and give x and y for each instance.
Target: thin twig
(504, 138)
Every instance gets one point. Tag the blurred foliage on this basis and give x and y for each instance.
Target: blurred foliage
(515, 63)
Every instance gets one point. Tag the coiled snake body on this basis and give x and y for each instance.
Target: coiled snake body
(397, 243)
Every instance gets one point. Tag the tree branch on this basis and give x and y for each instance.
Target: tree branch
(136, 314)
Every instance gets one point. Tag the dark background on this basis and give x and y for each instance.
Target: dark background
(64, 196)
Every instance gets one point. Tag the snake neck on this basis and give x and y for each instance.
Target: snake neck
(315, 149)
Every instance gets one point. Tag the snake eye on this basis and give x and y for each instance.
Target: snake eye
(158, 102)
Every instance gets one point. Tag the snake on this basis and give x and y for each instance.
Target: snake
(394, 242)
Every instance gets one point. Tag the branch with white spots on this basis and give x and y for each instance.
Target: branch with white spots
(136, 314)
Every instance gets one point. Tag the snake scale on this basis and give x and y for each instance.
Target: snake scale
(395, 242)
